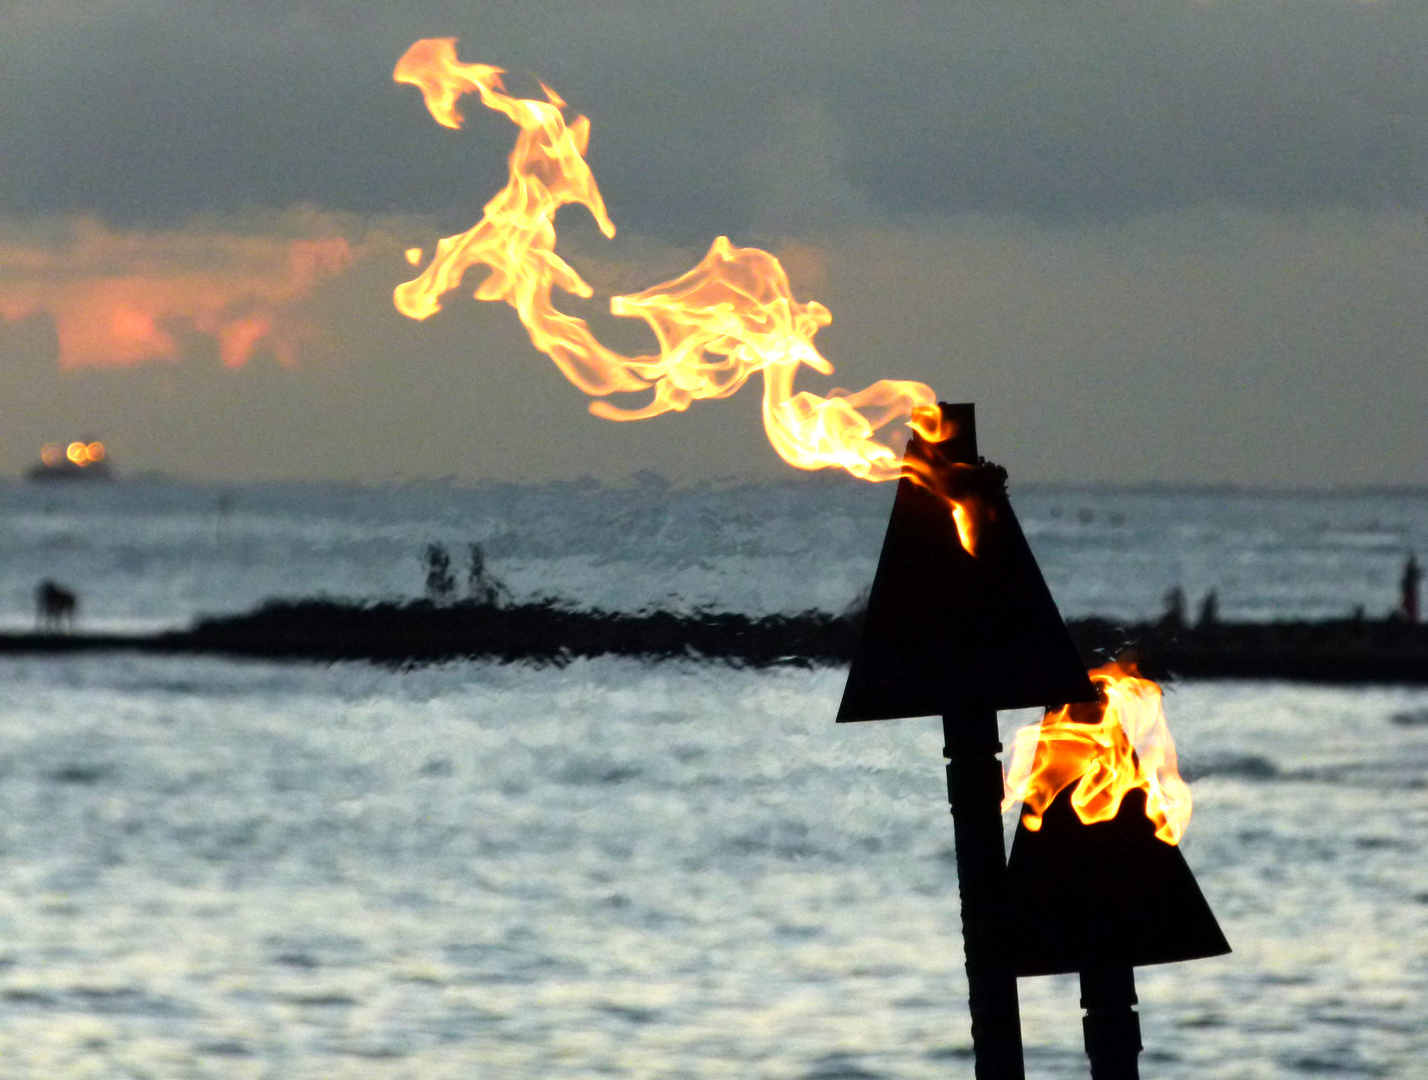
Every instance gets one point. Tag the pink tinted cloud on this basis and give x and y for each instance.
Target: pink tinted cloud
(125, 298)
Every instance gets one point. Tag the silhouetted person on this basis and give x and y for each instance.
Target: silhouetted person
(1174, 617)
(1209, 611)
(482, 585)
(55, 607)
(1412, 576)
(439, 582)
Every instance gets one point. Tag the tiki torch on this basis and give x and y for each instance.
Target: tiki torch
(1097, 884)
(960, 624)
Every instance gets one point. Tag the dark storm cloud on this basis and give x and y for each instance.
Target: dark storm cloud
(725, 116)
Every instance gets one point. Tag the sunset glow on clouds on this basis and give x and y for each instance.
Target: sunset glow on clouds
(133, 297)
(1064, 212)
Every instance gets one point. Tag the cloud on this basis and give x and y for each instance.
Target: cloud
(728, 115)
(119, 298)
(1217, 345)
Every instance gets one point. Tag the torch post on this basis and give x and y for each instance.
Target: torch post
(974, 788)
(1111, 1026)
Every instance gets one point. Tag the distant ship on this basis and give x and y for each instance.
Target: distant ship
(77, 461)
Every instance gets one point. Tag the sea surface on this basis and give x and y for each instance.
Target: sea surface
(147, 555)
(238, 869)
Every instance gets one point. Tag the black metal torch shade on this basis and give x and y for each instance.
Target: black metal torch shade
(1108, 893)
(946, 631)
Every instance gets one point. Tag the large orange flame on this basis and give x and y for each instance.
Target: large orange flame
(1111, 746)
(731, 316)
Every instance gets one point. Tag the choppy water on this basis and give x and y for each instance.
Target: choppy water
(214, 869)
(233, 870)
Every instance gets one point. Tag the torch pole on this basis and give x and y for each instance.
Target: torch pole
(974, 788)
(1111, 1026)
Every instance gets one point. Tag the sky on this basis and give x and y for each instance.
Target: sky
(1166, 241)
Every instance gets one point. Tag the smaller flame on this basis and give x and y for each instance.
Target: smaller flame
(1108, 748)
(966, 526)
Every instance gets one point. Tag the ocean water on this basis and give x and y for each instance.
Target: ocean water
(157, 554)
(234, 869)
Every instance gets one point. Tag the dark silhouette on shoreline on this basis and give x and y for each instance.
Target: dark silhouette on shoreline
(1347, 650)
(55, 607)
(440, 583)
(1408, 590)
(488, 624)
(482, 586)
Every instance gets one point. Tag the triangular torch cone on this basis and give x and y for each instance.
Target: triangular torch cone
(946, 630)
(959, 623)
(1108, 892)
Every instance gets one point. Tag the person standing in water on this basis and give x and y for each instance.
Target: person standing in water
(1412, 575)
